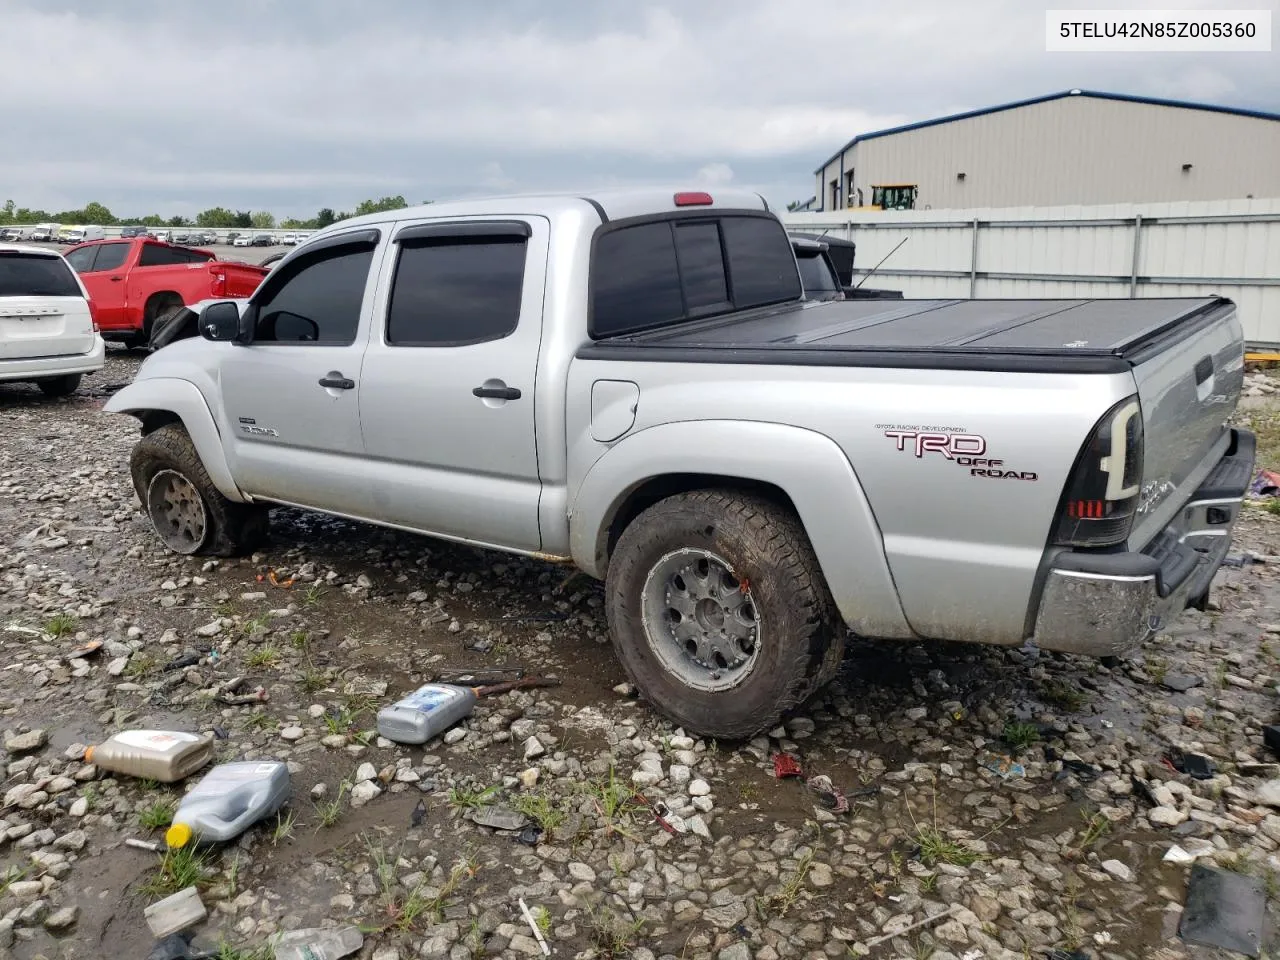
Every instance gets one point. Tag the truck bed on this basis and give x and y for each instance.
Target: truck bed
(1104, 335)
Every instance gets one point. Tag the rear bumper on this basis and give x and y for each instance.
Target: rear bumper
(1102, 604)
(36, 368)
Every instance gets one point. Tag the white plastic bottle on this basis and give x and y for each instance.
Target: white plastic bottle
(164, 755)
(427, 712)
(228, 800)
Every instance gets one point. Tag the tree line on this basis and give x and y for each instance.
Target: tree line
(98, 215)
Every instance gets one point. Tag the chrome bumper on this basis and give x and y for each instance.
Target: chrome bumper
(1103, 604)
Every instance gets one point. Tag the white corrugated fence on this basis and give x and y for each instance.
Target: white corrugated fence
(1227, 247)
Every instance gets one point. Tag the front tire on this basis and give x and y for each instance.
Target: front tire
(187, 512)
(719, 613)
(63, 386)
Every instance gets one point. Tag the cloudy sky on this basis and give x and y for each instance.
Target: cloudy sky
(291, 105)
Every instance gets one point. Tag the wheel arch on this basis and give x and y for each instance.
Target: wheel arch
(159, 401)
(801, 470)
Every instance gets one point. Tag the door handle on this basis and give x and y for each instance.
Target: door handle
(337, 381)
(116, 279)
(1204, 370)
(497, 393)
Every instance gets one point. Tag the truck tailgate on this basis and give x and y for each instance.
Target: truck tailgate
(1189, 382)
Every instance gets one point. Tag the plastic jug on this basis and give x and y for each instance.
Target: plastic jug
(228, 800)
(163, 755)
(427, 712)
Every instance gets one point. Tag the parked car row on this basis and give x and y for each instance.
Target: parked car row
(70, 235)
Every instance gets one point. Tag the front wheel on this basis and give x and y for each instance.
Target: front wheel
(186, 510)
(719, 613)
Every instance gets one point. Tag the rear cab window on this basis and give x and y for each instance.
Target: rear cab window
(665, 270)
(34, 275)
(161, 255)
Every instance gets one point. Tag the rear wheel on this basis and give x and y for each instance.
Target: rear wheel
(160, 305)
(719, 613)
(187, 512)
(62, 386)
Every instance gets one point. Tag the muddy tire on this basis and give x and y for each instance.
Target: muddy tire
(719, 613)
(63, 386)
(187, 512)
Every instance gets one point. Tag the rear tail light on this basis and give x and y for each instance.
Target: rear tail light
(693, 198)
(219, 288)
(93, 317)
(1101, 497)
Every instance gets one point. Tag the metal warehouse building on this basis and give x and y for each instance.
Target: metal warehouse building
(1075, 147)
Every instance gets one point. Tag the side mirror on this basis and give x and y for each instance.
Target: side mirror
(220, 321)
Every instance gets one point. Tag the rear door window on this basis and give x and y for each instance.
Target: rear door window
(456, 292)
(635, 281)
(160, 255)
(701, 261)
(761, 264)
(32, 275)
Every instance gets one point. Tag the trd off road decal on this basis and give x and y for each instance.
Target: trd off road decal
(964, 449)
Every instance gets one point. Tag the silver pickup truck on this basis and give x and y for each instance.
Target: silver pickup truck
(634, 383)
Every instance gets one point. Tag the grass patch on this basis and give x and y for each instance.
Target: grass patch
(141, 665)
(779, 904)
(1064, 695)
(158, 814)
(312, 595)
(261, 720)
(542, 918)
(313, 680)
(929, 883)
(1096, 826)
(227, 952)
(1220, 674)
(1266, 426)
(936, 848)
(339, 720)
(613, 936)
(1157, 668)
(300, 639)
(540, 808)
(1020, 735)
(407, 911)
(264, 657)
(462, 799)
(329, 812)
(612, 799)
(61, 625)
(181, 868)
(283, 829)
(12, 875)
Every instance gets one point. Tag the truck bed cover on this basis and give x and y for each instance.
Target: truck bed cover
(1097, 335)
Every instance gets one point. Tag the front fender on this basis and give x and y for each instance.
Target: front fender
(810, 467)
(183, 399)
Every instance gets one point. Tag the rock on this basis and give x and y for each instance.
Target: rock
(699, 788)
(525, 945)
(580, 871)
(533, 749)
(624, 690)
(25, 742)
(699, 828)
(334, 741)
(292, 733)
(916, 714)
(1166, 816)
(1268, 793)
(18, 795)
(209, 629)
(1118, 870)
(953, 931)
(366, 772)
(735, 951)
(117, 666)
(363, 792)
(1180, 682)
(386, 953)
(75, 840)
(25, 891)
(62, 919)
(80, 807)
(820, 875)
(678, 774)
(455, 735)
(528, 778)
(319, 790)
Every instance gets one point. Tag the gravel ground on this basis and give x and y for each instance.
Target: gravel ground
(1024, 796)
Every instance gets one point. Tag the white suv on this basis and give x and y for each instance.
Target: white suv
(47, 333)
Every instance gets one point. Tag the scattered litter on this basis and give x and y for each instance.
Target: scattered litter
(1223, 909)
(18, 628)
(277, 582)
(785, 765)
(827, 792)
(319, 943)
(228, 800)
(220, 733)
(419, 814)
(530, 835)
(176, 913)
(1266, 484)
(427, 712)
(533, 925)
(1004, 766)
(85, 649)
(177, 946)
(188, 659)
(927, 921)
(1193, 765)
(1271, 737)
(142, 844)
(163, 755)
(499, 818)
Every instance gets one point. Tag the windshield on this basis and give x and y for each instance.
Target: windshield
(816, 276)
(33, 275)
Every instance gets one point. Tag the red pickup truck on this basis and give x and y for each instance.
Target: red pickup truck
(133, 283)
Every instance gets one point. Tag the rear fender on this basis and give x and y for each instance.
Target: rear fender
(809, 467)
(184, 400)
